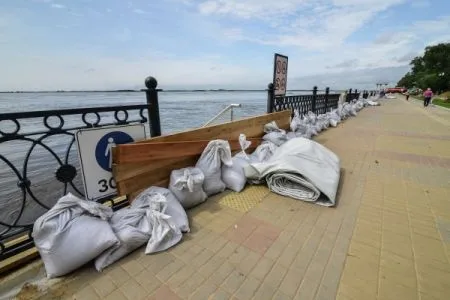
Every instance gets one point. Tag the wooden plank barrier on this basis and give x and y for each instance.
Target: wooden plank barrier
(146, 163)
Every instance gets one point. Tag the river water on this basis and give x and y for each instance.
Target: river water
(178, 111)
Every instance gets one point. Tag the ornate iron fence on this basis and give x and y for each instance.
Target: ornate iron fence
(351, 95)
(316, 102)
(39, 160)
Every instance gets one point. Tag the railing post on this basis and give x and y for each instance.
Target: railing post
(314, 99)
(153, 106)
(349, 96)
(327, 93)
(270, 98)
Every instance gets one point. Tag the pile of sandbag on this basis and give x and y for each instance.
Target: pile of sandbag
(310, 124)
(233, 175)
(210, 163)
(76, 231)
(72, 233)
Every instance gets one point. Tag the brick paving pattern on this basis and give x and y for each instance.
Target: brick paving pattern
(388, 237)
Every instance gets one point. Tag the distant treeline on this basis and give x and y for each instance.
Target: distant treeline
(432, 70)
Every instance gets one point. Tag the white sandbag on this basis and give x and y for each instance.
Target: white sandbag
(272, 127)
(165, 232)
(210, 162)
(171, 206)
(318, 127)
(324, 121)
(306, 160)
(292, 135)
(233, 176)
(312, 117)
(335, 116)
(274, 134)
(73, 232)
(333, 123)
(187, 186)
(263, 152)
(133, 229)
(296, 121)
(278, 138)
(312, 130)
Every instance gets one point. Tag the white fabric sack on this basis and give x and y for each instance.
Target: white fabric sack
(171, 207)
(210, 162)
(165, 232)
(278, 138)
(263, 152)
(133, 229)
(292, 135)
(72, 233)
(335, 116)
(312, 117)
(272, 127)
(187, 186)
(303, 158)
(333, 123)
(274, 134)
(296, 121)
(233, 176)
(312, 130)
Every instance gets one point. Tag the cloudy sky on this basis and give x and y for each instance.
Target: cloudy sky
(112, 44)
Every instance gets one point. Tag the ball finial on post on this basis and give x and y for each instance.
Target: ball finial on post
(270, 86)
(150, 82)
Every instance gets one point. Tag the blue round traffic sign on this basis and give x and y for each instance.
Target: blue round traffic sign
(103, 150)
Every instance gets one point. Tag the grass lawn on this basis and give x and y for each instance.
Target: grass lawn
(436, 101)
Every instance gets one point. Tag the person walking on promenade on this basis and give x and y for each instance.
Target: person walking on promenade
(427, 95)
(407, 95)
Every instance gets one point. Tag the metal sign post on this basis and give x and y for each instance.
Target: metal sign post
(95, 154)
(280, 68)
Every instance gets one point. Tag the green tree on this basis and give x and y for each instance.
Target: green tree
(430, 70)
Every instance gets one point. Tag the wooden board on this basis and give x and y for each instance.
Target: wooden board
(152, 152)
(149, 162)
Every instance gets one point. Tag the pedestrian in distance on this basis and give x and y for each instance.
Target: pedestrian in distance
(407, 95)
(427, 97)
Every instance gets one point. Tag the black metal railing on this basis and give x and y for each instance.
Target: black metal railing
(316, 101)
(351, 95)
(39, 160)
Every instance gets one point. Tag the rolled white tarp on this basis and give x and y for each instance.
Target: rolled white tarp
(301, 169)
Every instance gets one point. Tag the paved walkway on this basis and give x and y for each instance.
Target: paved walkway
(388, 237)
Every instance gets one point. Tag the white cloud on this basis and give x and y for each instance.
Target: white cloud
(139, 11)
(310, 24)
(56, 5)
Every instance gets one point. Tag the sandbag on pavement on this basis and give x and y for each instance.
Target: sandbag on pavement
(263, 152)
(305, 159)
(73, 232)
(133, 228)
(187, 186)
(171, 206)
(233, 176)
(274, 134)
(210, 162)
